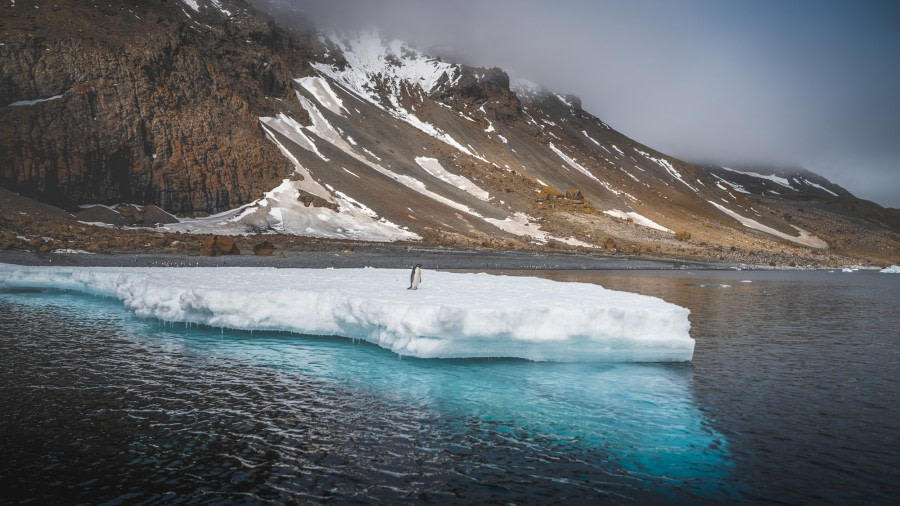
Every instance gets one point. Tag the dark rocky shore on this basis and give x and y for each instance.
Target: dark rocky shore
(378, 257)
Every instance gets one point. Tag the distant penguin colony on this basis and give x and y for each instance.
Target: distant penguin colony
(415, 277)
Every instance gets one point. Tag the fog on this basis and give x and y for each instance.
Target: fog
(814, 83)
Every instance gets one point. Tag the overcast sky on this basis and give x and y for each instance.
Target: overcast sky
(814, 83)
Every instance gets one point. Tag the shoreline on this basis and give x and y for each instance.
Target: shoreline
(376, 257)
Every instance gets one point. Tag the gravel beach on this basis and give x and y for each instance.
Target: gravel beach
(378, 257)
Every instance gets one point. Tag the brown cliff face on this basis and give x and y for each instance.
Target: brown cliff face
(156, 107)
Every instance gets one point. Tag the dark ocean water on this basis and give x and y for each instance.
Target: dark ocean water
(792, 397)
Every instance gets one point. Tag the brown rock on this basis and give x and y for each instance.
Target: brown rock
(308, 199)
(215, 245)
(153, 215)
(264, 249)
(101, 214)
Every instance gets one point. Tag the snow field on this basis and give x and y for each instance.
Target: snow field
(805, 237)
(434, 167)
(574, 164)
(638, 219)
(450, 315)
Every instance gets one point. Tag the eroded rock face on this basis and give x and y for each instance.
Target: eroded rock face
(153, 107)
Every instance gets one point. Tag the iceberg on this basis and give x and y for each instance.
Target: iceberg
(451, 315)
(894, 269)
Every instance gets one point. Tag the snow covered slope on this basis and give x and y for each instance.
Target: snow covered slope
(449, 316)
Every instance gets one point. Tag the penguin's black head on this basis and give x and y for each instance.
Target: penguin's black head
(418, 266)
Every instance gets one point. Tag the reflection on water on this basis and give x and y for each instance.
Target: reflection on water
(103, 406)
(798, 369)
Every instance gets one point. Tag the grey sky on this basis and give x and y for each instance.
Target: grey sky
(799, 82)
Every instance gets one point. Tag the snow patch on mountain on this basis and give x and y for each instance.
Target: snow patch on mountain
(637, 219)
(392, 66)
(820, 187)
(771, 177)
(26, 103)
(573, 163)
(370, 58)
(738, 188)
(192, 4)
(434, 167)
(321, 90)
(805, 237)
(281, 210)
(288, 127)
(592, 139)
(667, 165)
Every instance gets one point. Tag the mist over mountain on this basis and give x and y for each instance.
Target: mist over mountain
(805, 83)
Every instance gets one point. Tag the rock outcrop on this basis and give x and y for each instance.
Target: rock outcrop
(137, 102)
(217, 245)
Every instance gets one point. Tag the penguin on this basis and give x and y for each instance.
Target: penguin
(415, 277)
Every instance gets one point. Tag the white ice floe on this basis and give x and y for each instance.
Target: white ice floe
(638, 219)
(805, 237)
(894, 269)
(451, 315)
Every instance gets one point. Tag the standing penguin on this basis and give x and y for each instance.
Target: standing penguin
(415, 277)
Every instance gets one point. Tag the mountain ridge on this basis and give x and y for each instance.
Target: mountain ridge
(274, 132)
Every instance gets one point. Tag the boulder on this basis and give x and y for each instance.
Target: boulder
(154, 215)
(216, 245)
(100, 214)
(264, 249)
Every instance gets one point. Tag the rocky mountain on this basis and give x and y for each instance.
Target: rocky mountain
(146, 102)
(202, 107)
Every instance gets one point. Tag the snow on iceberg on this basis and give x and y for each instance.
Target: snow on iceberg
(451, 315)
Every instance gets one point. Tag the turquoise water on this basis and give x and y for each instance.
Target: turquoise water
(99, 405)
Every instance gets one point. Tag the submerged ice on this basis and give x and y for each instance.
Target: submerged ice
(451, 315)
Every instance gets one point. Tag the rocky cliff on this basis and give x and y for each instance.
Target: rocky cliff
(144, 102)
